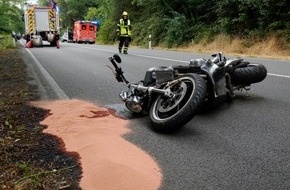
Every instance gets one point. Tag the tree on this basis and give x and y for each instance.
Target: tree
(73, 10)
(11, 14)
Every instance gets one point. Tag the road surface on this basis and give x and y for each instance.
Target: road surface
(239, 145)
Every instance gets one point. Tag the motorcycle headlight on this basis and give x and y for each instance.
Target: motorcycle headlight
(134, 105)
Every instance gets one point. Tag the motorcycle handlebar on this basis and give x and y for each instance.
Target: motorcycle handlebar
(119, 73)
(113, 62)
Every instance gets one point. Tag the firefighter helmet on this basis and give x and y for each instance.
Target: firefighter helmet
(125, 13)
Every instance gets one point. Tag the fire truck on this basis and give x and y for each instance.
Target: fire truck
(84, 32)
(41, 24)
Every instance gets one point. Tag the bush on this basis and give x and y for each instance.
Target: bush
(178, 30)
(6, 41)
(204, 34)
(107, 33)
(152, 26)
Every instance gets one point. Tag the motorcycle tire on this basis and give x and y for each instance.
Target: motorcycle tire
(248, 74)
(168, 114)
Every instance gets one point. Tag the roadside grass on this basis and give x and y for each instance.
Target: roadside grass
(272, 47)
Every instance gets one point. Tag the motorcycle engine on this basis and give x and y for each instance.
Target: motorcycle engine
(157, 75)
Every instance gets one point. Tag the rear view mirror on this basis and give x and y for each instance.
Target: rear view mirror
(117, 58)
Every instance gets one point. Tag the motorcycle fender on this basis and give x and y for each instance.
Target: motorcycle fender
(233, 62)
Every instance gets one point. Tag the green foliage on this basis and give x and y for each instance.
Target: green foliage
(240, 17)
(6, 41)
(204, 34)
(152, 26)
(42, 3)
(73, 10)
(178, 30)
(107, 33)
(92, 13)
(10, 15)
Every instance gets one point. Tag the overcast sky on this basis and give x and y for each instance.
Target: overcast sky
(32, 1)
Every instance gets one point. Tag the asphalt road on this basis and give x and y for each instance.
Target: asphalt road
(240, 145)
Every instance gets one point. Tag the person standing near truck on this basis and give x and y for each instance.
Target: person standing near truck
(51, 3)
(124, 33)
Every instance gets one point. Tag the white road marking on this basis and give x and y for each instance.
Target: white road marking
(277, 75)
(56, 88)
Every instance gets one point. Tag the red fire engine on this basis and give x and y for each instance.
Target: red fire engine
(84, 32)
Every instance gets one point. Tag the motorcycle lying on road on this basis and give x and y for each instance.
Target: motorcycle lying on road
(173, 95)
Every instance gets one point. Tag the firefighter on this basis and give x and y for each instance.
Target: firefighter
(57, 40)
(51, 3)
(124, 28)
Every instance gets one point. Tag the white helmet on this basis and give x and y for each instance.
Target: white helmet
(125, 13)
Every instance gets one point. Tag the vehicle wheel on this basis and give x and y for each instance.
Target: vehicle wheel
(250, 73)
(168, 114)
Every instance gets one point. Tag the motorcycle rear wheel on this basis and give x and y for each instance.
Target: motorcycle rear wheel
(249, 74)
(168, 114)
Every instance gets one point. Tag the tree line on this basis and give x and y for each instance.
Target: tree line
(174, 22)
(177, 22)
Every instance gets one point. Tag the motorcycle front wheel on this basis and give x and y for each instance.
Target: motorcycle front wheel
(168, 114)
